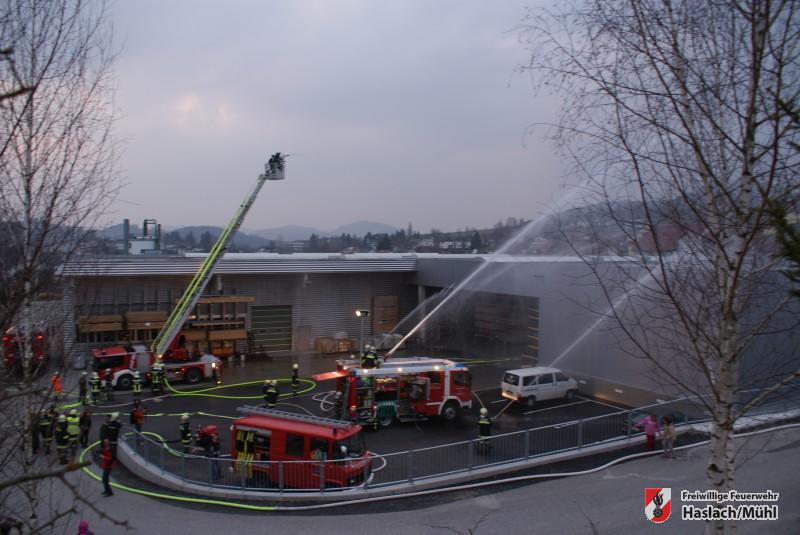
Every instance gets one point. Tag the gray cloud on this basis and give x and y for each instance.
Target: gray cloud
(392, 111)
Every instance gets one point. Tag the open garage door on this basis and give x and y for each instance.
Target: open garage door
(271, 328)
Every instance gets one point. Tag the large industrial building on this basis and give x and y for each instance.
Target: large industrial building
(532, 310)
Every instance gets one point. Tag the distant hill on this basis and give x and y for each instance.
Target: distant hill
(240, 238)
(360, 228)
(288, 233)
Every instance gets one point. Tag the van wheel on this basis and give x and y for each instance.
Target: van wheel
(570, 395)
(451, 411)
(530, 401)
(124, 382)
(193, 376)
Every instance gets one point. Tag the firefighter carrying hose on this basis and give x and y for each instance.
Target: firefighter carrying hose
(484, 431)
(186, 434)
(271, 393)
(94, 388)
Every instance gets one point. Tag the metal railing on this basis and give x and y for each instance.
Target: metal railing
(425, 463)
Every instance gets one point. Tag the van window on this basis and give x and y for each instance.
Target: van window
(528, 381)
(511, 379)
(295, 445)
(560, 377)
(545, 378)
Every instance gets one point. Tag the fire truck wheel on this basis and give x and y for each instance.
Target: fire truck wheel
(124, 382)
(530, 401)
(385, 420)
(451, 411)
(193, 376)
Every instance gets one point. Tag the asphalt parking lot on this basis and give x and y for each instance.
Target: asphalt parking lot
(243, 386)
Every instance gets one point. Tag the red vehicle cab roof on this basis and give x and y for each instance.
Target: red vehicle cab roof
(258, 421)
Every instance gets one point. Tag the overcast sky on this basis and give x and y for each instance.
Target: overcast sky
(392, 111)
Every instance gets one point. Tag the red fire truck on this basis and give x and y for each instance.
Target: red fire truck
(122, 360)
(404, 389)
(12, 349)
(276, 440)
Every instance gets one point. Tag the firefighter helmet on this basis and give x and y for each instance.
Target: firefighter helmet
(267, 382)
(73, 412)
(295, 366)
(84, 374)
(185, 417)
(484, 412)
(95, 376)
(114, 416)
(136, 373)
(62, 418)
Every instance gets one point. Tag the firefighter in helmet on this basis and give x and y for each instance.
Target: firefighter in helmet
(112, 431)
(137, 385)
(73, 429)
(484, 430)
(295, 378)
(46, 423)
(94, 388)
(109, 385)
(62, 438)
(83, 387)
(370, 358)
(271, 393)
(157, 377)
(186, 433)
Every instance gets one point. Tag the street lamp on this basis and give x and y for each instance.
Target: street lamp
(362, 314)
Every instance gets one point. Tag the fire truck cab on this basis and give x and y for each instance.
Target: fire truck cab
(277, 440)
(12, 348)
(403, 389)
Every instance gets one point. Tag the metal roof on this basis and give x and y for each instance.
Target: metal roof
(239, 263)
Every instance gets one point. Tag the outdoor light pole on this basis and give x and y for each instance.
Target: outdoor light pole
(362, 314)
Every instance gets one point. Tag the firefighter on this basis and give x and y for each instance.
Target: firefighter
(186, 434)
(34, 429)
(295, 379)
(157, 377)
(337, 404)
(137, 386)
(484, 431)
(46, 429)
(370, 358)
(94, 388)
(215, 374)
(62, 438)
(55, 384)
(108, 386)
(112, 426)
(85, 424)
(73, 430)
(270, 393)
(82, 389)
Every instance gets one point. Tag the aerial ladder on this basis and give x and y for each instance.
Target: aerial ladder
(273, 170)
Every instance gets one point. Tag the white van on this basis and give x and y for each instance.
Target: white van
(529, 385)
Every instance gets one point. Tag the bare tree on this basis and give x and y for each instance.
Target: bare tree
(57, 178)
(672, 113)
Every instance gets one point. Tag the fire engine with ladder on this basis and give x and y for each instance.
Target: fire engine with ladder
(408, 389)
(169, 346)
